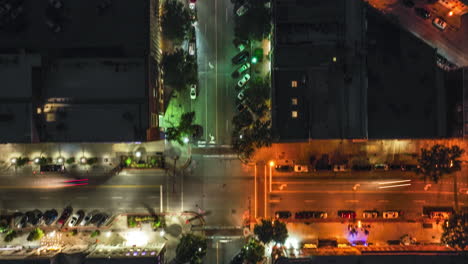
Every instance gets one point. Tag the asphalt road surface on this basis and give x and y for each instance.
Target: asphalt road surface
(215, 103)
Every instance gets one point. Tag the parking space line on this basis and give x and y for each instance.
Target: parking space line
(419, 201)
(351, 201)
(117, 197)
(309, 201)
(382, 201)
(44, 198)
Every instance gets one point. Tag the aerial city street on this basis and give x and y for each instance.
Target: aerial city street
(233, 131)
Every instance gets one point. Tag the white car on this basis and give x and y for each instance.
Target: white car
(439, 23)
(193, 91)
(301, 168)
(73, 220)
(391, 214)
(244, 80)
(191, 48)
(242, 10)
(241, 96)
(192, 4)
(370, 214)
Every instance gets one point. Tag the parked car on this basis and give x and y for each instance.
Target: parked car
(35, 217)
(76, 218)
(440, 214)
(370, 214)
(422, 12)
(395, 166)
(50, 216)
(391, 214)
(283, 168)
(304, 215)
(320, 214)
(381, 167)
(103, 220)
(241, 96)
(193, 91)
(322, 166)
(240, 107)
(282, 214)
(191, 48)
(192, 4)
(301, 168)
(243, 80)
(240, 70)
(340, 168)
(439, 23)
(52, 168)
(242, 10)
(241, 57)
(87, 219)
(17, 220)
(240, 44)
(65, 215)
(347, 214)
(409, 167)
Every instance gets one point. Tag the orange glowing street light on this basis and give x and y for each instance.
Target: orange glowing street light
(272, 163)
(450, 13)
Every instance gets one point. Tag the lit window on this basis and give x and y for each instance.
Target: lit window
(294, 84)
(294, 101)
(294, 114)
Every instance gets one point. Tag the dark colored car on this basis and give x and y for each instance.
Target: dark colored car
(408, 3)
(241, 57)
(347, 214)
(283, 168)
(304, 215)
(52, 168)
(65, 215)
(35, 217)
(409, 167)
(395, 167)
(282, 214)
(240, 107)
(103, 220)
(50, 216)
(99, 219)
(321, 166)
(422, 12)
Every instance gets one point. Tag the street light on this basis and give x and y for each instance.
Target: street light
(186, 140)
(271, 163)
(14, 160)
(60, 160)
(138, 154)
(83, 160)
(36, 160)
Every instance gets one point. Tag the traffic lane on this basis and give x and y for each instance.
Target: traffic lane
(411, 204)
(362, 186)
(104, 198)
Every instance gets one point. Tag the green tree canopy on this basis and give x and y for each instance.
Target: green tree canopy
(440, 160)
(175, 20)
(264, 231)
(185, 128)
(191, 248)
(35, 234)
(456, 231)
(253, 251)
(255, 24)
(173, 65)
(280, 232)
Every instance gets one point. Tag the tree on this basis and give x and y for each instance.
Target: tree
(440, 160)
(280, 232)
(21, 161)
(257, 21)
(456, 231)
(191, 248)
(186, 128)
(173, 65)
(264, 231)
(253, 251)
(70, 160)
(36, 234)
(12, 234)
(270, 230)
(175, 20)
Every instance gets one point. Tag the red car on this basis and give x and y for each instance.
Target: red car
(65, 215)
(347, 214)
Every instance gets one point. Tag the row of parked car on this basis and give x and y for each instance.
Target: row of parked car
(345, 214)
(344, 167)
(67, 218)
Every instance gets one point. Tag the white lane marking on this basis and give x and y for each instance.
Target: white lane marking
(393, 186)
(309, 201)
(117, 197)
(44, 198)
(394, 182)
(227, 125)
(382, 201)
(351, 201)
(216, 68)
(419, 201)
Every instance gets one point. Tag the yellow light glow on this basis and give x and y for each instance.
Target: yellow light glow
(450, 13)
(272, 163)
